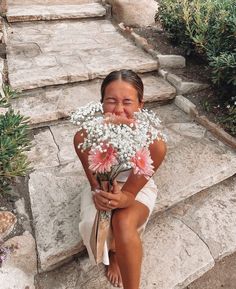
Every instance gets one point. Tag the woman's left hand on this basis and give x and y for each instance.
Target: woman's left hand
(109, 200)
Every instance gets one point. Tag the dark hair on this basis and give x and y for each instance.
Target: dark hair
(126, 75)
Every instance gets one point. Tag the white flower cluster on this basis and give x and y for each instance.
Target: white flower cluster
(125, 139)
(86, 113)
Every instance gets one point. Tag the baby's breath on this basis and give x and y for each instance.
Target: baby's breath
(126, 139)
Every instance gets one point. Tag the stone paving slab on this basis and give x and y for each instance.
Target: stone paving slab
(174, 256)
(194, 162)
(44, 151)
(55, 199)
(212, 215)
(19, 13)
(48, 53)
(56, 102)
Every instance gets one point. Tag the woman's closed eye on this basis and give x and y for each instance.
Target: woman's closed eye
(113, 101)
(128, 101)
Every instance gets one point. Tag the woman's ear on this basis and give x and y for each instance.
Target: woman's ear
(141, 104)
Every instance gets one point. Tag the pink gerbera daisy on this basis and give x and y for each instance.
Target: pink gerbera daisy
(142, 163)
(102, 162)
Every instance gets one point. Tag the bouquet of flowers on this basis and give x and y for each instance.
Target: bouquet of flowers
(115, 145)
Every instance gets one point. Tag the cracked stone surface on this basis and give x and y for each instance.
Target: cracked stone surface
(212, 215)
(44, 152)
(55, 102)
(174, 256)
(77, 51)
(53, 12)
(194, 162)
(55, 204)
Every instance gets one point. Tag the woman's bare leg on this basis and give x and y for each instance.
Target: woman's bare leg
(125, 223)
(113, 270)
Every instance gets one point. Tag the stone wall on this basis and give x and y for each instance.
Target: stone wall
(134, 13)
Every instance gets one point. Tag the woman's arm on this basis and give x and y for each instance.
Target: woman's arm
(83, 156)
(136, 182)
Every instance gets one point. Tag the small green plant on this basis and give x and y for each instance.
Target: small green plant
(206, 105)
(14, 141)
(229, 119)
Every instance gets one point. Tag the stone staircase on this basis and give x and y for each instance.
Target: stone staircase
(58, 59)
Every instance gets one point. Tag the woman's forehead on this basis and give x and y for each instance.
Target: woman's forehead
(120, 88)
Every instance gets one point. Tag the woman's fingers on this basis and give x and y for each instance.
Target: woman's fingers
(109, 196)
(104, 200)
(114, 198)
(102, 203)
(100, 206)
(101, 199)
(112, 204)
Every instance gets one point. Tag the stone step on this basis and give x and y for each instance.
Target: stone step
(47, 53)
(195, 161)
(179, 245)
(49, 2)
(55, 102)
(21, 13)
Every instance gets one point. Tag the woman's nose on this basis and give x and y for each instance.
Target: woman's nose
(119, 108)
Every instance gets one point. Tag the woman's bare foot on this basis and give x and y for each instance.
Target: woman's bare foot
(113, 270)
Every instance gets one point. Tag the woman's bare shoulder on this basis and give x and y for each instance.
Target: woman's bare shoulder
(158, 145)
(79, 136)
(79, 139)
(158, 151)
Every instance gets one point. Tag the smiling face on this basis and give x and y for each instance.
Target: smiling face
(121, 98)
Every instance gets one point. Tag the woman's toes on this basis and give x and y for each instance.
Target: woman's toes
(115, 282)
(114, 279)
(111, 278)
(119, 283)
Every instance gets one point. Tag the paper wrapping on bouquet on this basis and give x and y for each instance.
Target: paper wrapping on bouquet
(99, 234)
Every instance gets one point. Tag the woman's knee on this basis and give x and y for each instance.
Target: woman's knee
(123, 225)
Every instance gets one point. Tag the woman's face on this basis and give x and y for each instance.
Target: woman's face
(121, 99)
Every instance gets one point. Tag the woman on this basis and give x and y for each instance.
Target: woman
(133, 197)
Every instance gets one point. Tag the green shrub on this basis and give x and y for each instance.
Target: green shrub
(209, 28)
(14, 141)
(223, 68)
